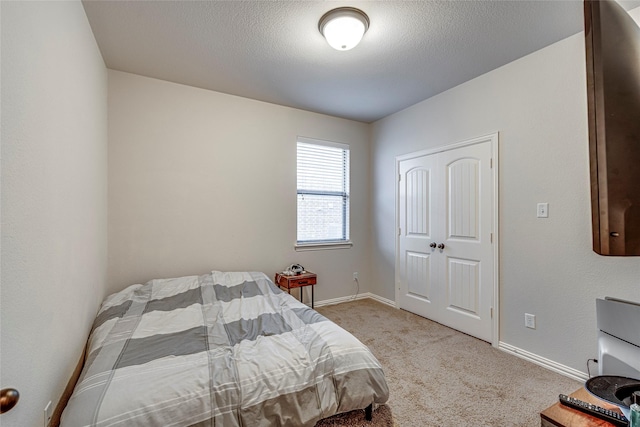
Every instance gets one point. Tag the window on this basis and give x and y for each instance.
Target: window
(323, 192)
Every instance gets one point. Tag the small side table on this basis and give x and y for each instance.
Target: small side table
(298, 281)
(558, 415)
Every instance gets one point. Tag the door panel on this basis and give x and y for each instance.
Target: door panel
(418, 195)
(418, 270)
(463, 183)
(463, 286)
(447, 198)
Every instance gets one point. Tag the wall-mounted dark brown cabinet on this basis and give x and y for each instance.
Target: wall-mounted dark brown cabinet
(613, 92)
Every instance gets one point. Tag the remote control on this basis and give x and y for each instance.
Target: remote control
(596, 411)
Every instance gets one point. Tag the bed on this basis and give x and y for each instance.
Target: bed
(221, 349)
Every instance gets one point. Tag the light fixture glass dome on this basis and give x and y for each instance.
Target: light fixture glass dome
(343, 27)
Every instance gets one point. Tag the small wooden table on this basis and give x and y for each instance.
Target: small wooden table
(558, 415)
(298, 281)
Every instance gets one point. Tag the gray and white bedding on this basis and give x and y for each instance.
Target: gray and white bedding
(222, 349)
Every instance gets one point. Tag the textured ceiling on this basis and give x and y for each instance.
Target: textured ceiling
(272, 50)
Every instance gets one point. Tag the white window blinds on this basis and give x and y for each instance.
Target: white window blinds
(323, 192)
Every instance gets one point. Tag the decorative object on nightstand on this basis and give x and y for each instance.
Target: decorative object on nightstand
(288, 281)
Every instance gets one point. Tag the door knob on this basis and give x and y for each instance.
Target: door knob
(433, 245)
(441, 246)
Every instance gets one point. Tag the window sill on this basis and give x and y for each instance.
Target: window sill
(322, 246)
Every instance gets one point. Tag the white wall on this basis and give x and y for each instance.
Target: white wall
(547, 267)
(54, 198)
(200, 180)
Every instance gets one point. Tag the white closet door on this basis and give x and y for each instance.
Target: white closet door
(446, 199)
(418, 224)
(467, 257)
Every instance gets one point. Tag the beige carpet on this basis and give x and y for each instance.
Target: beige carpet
(441, 377)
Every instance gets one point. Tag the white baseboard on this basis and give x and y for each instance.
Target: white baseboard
(340, 300)
(382, 300)
(348, 298)
(544, 362)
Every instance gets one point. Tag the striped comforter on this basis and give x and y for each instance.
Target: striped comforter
(222, 349)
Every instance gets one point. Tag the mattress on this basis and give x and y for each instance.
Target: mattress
(221, 349)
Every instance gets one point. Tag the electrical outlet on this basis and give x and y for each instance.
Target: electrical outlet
(47, 414)
(355, 275)
(543, 210)
(530, 320)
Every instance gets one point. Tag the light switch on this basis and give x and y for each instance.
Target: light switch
(543, 210)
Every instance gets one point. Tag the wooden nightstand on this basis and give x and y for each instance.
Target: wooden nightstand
(297, 281)
(558, 415)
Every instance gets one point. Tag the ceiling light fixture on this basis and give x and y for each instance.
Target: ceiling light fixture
(343, 27)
